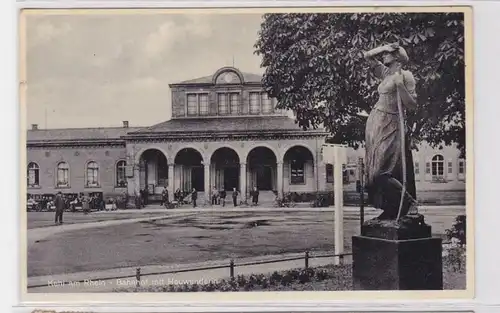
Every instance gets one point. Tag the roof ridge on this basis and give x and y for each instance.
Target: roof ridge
(83, 128)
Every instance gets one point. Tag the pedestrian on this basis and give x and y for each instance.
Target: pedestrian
(215, 194)
(222, 196)
(86, 204)
(255, 196)
(59, 203)
(194, 196)
(164, 197)
(235, 197)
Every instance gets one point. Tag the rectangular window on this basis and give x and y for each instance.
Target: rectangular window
(267, 104)
(329, 173)
(297, 172)
(427, 168)
(437, 168)
(33, 176)
(203, 103)
(223, 107)
(461, 167)
(121, 174)
(192, 104)
(92, 174)
(234, 100)
(417, 168)
(254, 103)
(62, 177)
(450, 167)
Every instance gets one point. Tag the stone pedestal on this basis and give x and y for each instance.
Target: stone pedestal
(392, 255)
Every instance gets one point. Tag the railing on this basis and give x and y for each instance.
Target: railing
(307, 256)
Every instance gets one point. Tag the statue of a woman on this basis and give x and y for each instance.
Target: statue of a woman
(384, 155)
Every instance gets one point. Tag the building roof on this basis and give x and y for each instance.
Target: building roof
(247, 77)
(249, 126)
(99, 133)
(225, 125)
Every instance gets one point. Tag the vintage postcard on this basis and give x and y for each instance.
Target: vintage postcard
(264, 153)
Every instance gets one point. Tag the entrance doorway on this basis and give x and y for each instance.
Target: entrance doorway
(231, 178)
(226, 169)
(197, 179)
(262, 165)
(189, 170)
(264, 178)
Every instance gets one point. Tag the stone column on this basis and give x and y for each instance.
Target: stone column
(206, 177)
(133, 188)
(243, 182)
(279, 168)
(137, 180)
(171, 181)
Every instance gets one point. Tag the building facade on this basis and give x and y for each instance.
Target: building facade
(225, 133)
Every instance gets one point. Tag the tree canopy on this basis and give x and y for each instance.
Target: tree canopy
(314, 66)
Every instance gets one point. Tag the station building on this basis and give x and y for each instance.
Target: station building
(225, 133)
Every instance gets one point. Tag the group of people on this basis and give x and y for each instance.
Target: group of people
(88, 203)
(218, 197)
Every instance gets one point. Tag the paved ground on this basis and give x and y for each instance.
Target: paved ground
(46, 219)
(110, 248)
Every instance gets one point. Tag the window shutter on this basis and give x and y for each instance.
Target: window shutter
(428, 175)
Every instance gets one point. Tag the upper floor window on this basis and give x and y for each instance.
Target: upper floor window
(222, 104)
(438, 165)
(228, 103)
(121, 169)
(234, 101)
(92, 174)
(33, 175)
(197, 104)
(254, 103)
(192, 104)
(267, 104)
(62, 175)
(417, 168)
(260, 103)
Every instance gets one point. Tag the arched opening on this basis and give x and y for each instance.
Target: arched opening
(189, 170)
(153, 173)
(298, 168)
(262, 169)
(226, 167)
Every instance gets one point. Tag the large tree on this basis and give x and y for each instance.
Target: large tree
(314, 66)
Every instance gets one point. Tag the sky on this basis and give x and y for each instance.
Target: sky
(90, 70)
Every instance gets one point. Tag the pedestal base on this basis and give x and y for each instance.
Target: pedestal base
(397, 256)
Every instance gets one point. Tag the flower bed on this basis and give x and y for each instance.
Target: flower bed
(324, 278)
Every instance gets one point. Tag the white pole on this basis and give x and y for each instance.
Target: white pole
(339, 202)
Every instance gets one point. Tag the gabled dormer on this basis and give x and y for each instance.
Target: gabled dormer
(227, 93)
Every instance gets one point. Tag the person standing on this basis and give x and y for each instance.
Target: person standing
(59, 203)
(235, 197)
(214, 195)
(194, 197)
(164, 197)
(255, 196)
(86, 204)
(222, 196)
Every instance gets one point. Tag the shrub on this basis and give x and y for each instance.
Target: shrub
(457, 232)
(457, 235)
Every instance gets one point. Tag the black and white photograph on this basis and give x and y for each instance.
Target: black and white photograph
(247, 150)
